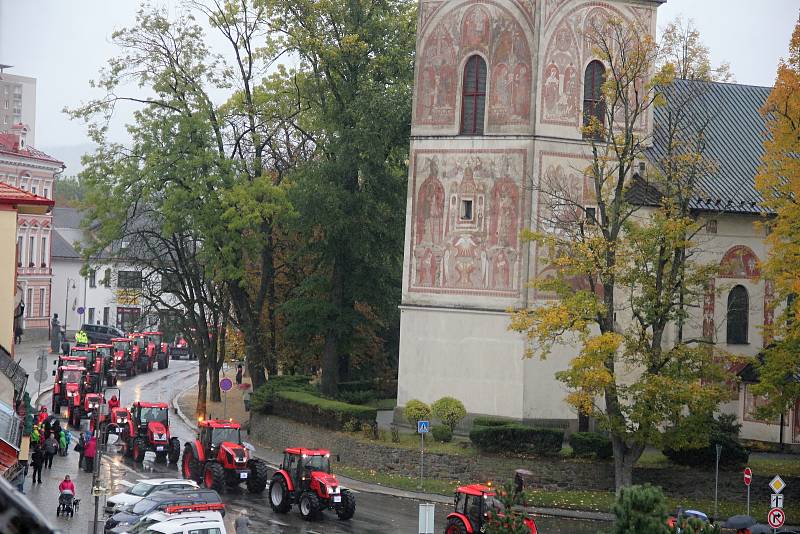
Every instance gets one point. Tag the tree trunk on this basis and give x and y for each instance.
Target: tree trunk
(625, 457)
(272, 361)
(202, 384)
(330, 352)
(253, 360)
(216, 396)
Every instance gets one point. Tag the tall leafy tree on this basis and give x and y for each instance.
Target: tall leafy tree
(355, 77)
(628, 269)
(683, 48)
(779, 183)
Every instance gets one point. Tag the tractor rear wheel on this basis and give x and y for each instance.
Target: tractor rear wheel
(214, 476)
(309, 505)
(455, 526)
(190, 467)
(348, 507)
(161, 363)
(174, 450)
(279, 497)
(139, 448)
(258, 478)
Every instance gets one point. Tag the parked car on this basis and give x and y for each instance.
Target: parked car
(126, 500)
(203, 518)
(159, 501)
(99, 333)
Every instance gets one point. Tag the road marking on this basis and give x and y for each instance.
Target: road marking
(279, 523)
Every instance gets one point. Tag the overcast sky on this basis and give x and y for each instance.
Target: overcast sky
(63, 43)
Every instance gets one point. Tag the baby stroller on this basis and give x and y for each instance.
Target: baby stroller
(67, 504)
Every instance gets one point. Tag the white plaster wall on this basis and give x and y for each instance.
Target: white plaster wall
(62, 271)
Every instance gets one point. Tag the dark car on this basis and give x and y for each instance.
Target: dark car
(159, 500)
(99, 333)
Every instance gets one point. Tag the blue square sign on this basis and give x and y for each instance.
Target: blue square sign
(423, 427)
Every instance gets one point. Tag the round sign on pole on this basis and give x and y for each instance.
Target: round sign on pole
(226, 384)
(748, 476)
(80, 310)
(776, 517)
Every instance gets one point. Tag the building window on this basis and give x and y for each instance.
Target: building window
(92, 278)
(42, 312)
(43, 257)
(19, 251)
(590, 214)
(711, 226)
(466, 210)
(106, 313)
(46, 193)
(107, 278)
(593, 104)
(29, 303)
(129, 279)
(33, 189)
(30, 251)
(738, 315)
(473, 102)
(128, 318)
(91, 316)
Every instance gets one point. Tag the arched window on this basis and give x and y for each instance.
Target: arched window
(593, 105)
(473, 101)
(738, 314)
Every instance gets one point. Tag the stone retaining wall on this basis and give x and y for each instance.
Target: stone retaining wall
(549, 473)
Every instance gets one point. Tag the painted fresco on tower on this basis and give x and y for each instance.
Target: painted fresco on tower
(476, 28)
(467, 213)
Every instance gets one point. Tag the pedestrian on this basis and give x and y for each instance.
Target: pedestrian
(42, 416)
(113, 403)
(37, 462)
(56, 429)
(89, 453)
(239, 372)
(64, 343)
(62, 443)
(35, 435)
(80, 448)
(55, 334)
(242, 523)
(68, 437)
(50, 450)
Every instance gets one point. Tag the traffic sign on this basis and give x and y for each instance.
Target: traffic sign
(40, 375)
(226, 384)
(777, 484)
(423, 427)
(80, 310)
(748, 476)
(776, 500)
(776, 517)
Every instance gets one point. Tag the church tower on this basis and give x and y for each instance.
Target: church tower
(501, 89)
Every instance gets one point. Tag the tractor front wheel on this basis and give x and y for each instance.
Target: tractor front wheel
(279, 498)
(161, 363)
(174, 450)
(139, 448)
(190, 467)
(455, 526)
(348, 508)
(257, 480)
(214, 476)
(309, 505)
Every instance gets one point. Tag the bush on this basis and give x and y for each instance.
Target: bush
(263, 398)
(590, 443)
(491, 421)
(356, 385)
(356, 397)
(308, 408)
(442, 433)
(516, 437)
(416, 410)
(723, 430)
(450, 411)
(640, 509)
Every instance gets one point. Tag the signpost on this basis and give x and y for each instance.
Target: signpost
(748, 478)
(41, 371)
(776, 516)
(423, 427)
(225, 386)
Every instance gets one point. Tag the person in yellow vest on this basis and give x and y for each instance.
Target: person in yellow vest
(81, 338)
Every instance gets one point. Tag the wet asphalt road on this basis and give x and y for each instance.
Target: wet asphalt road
(374, 513)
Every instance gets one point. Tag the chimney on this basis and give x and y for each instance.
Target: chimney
(21, 131)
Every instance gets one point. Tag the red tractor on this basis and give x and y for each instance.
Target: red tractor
(150, 421)
(124, 357)
(77, 361)
(140, 353)
(219, 458)
(95, 367)
(120, 423)
(156, 349)
(106, 352)
(68, 390)
(305, 478)
(472, 506)
(91, 404)
(180, 348)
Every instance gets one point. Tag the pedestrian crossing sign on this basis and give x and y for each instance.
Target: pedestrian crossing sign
(423, 427)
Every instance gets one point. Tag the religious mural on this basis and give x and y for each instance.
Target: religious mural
(495, 34)
(467, 213)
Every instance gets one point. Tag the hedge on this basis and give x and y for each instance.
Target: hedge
(442, 433)
(485, 420)
(590, 443)
(516, 437)
(263, 398)
(307, 408)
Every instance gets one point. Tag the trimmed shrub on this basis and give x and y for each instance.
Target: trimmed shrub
(640, 509)
(590, 443)
(262, 399)
(356, 385)
(449, 410)
(491, 421)
(356, 397)
(516, 437)
(416, 410)
(442, 433)
(721, 431)
(308, 408)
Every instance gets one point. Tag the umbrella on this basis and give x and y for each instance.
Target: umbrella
(739, 521)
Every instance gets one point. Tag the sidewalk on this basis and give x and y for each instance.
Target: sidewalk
(26, 354)
(274, 459)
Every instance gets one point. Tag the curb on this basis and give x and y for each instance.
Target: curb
(42, 393)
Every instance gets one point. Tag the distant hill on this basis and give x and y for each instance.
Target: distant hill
(70, 155)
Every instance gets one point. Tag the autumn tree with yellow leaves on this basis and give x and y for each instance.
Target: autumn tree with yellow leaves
(626, 271)
(779, 183)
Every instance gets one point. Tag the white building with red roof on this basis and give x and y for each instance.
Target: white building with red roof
(35, 172)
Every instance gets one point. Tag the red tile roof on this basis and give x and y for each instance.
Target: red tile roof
(9, 143)
(15, 196)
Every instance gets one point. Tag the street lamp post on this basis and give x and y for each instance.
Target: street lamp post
(66, 303)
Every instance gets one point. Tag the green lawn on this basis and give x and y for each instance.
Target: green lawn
(762, 464)
(383, 404)
(412, 441)
(442, 487)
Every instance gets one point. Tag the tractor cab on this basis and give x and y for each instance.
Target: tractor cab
(124, 358)
(120, 421)
(68, 391)
(473, 504)
(106, 362)
(301, 463)
(143, 357)
(156, 349)
(92, 402)
(215, 432)
(145, 413)
(105, 351)
(77, 361)
(89, 353)
(150, 426)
